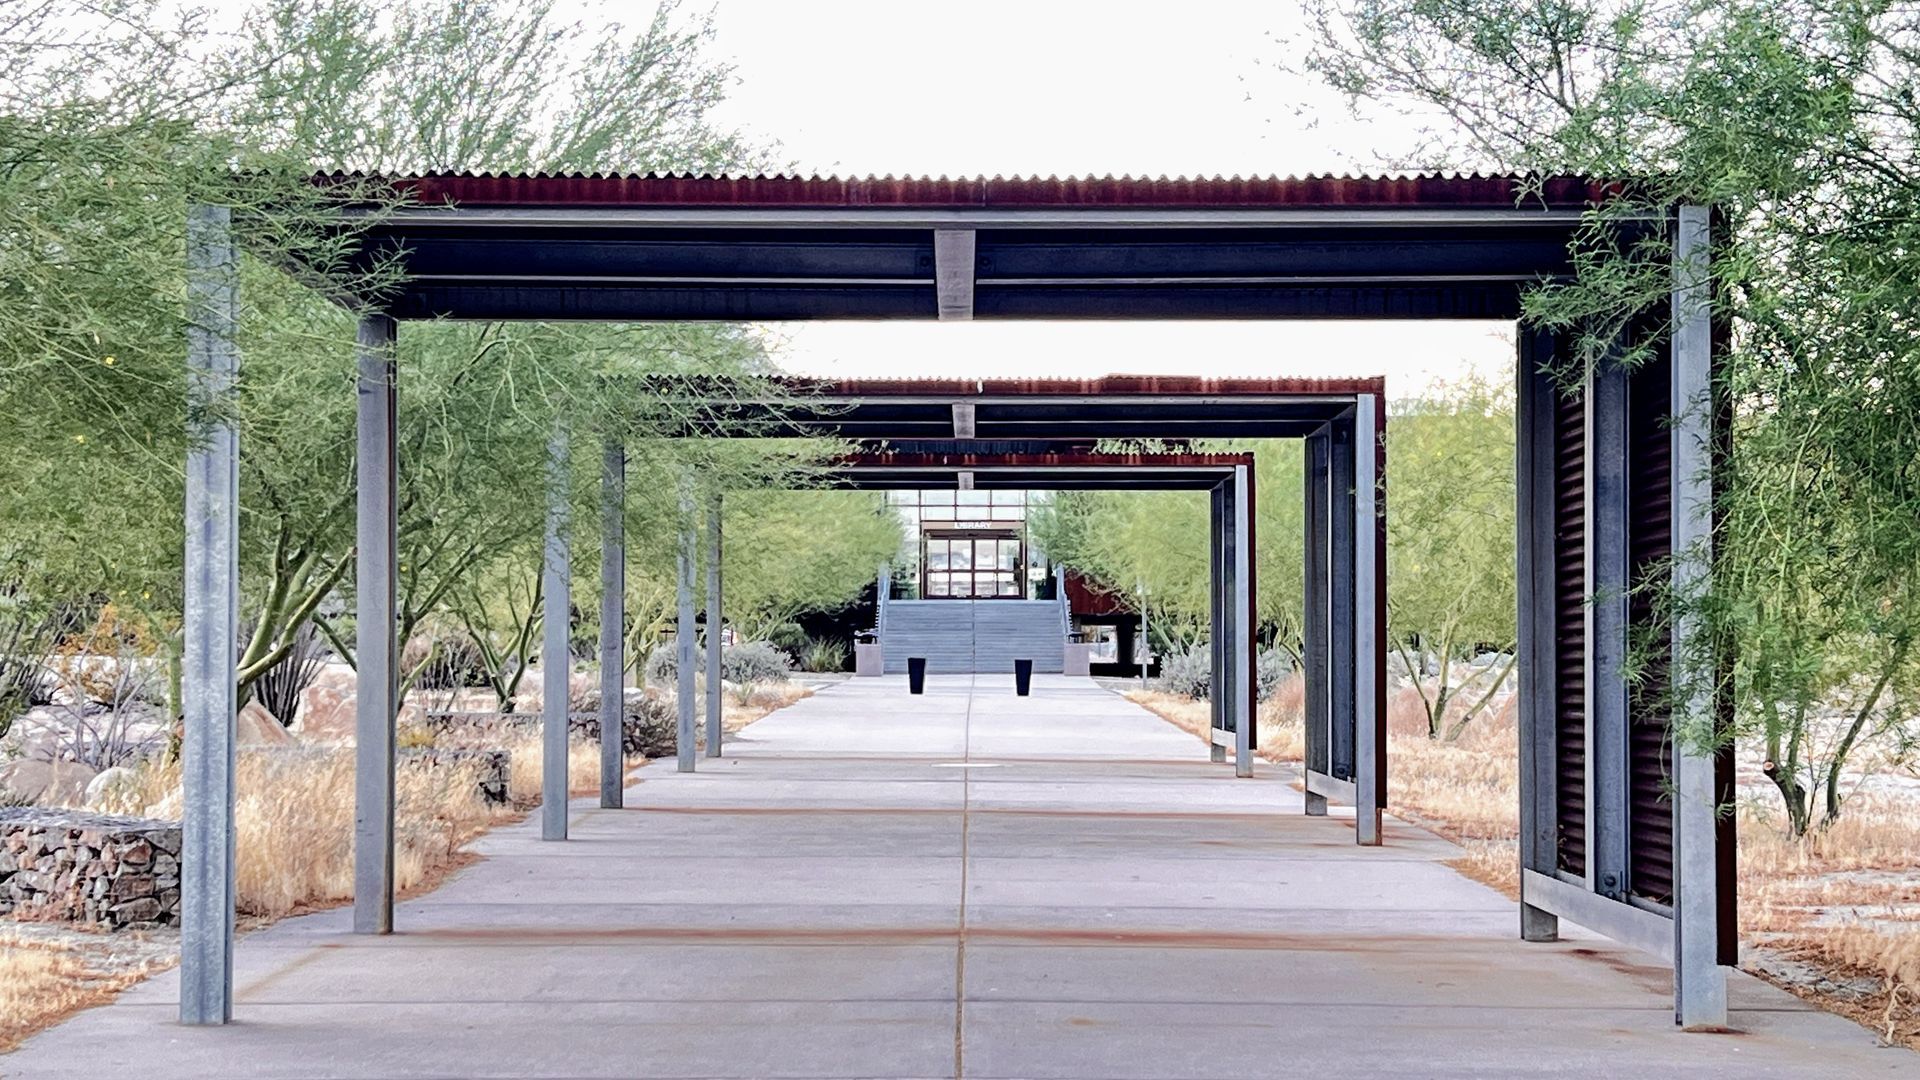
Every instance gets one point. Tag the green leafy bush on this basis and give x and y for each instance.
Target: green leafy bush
(824, 654)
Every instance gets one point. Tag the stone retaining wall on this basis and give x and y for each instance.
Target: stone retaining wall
(74, 866)
(495, 766)
(648, 730)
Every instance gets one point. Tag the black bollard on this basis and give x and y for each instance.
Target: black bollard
(1022, 677)
(916, 674)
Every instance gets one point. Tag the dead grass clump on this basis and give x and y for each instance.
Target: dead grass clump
(525, 763)
(1491, 862)
(42, 983)
(1193, 717)
(1467, 789)
(761, 700)
(293, 823)
(1844, 899)
(1279, 719)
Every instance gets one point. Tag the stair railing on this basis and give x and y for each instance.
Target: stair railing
(1060, 597)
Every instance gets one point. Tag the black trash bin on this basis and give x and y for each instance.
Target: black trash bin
(1022, 677)
(916, 674)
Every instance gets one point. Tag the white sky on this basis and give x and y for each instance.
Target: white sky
(1065, 86)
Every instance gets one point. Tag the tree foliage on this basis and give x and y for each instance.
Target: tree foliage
(1450, 547)
(1799, 122)
(117, 117)
(1159, 539)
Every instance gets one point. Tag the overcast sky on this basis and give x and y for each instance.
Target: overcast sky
(1069, 87)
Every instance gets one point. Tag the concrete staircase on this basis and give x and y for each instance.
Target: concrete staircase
(961, 636)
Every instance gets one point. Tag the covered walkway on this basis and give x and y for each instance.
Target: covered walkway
(965, 883)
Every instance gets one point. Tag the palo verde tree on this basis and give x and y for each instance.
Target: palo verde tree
(1158, 540)
(1799, 122)
(1450, 549)
(114, 120)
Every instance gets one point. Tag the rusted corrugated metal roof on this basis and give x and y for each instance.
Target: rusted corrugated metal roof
(1069, 460)
(1098, 386)
(1016, 192)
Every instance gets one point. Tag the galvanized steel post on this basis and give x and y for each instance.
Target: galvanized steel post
(210, 645)
(684, 653)
(1313, 663)
(1219, 600)
(1699, 980)
(555, 661)
(1366, 624)
(715, 625)
(1244, 685)
(376, 680)
(1538, 651)
(613, 624)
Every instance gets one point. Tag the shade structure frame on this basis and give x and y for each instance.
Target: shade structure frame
(1344, 646)
(1585, 853)
(1699, 925)
(377, 650)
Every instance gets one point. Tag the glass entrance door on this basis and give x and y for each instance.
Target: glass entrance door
(971, 566)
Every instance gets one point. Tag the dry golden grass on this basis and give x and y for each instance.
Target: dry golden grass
(528, 759)
(1844, 899)
(293, 823)
(765, 698)
(1279, 720)
(43, 983)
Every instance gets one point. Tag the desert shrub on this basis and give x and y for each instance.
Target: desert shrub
(662, 666)
(755, 662)
(1272, 667)
(1190, 674)
(824, 654)
(444, 658)
(752, 662)
(280, 687)
(1187, 674)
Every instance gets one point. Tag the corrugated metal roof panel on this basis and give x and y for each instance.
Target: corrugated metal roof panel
(1098, 386)
(598, 189)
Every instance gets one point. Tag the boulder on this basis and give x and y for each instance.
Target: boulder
(47, 783)
(108, 786)
(326, 713)
(255, 726)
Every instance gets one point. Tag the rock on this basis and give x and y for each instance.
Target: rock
(326, 714)
(255, 726)
(47, 783)
(144, 910)
(108, 786)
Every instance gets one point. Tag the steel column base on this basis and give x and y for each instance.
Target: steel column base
(1538, 924)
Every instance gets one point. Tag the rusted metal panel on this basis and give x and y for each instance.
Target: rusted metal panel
(1569, 608)
(602, 190)
(1649, 545)
(1087, 597)
(886, 459)
(1098, 386)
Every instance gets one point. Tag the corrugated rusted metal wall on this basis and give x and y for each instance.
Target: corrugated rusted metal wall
(1649, 548)
(1570, 635)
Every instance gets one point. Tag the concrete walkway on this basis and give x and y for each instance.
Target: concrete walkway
(968, 883)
